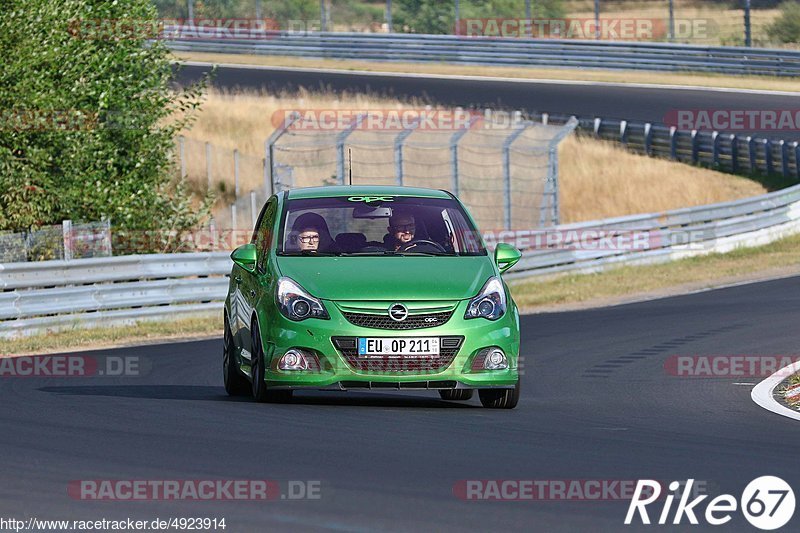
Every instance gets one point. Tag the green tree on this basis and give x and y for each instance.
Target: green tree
(786, 28)
(89, 118)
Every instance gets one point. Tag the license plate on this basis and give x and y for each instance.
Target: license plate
(400, 347)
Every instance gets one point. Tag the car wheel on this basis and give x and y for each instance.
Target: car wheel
(500, 398)
(259, 389)
(457, 395)
(235, 383)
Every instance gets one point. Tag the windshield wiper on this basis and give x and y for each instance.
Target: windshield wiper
(310, 253)
(391, 253)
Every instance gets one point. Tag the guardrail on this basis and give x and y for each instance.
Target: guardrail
(729, 152)
(500, 52)
(89, 292)
(112, 290)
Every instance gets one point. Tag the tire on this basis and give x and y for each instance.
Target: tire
(259, 389)
(235, 383)
(457, 395)
(499, 398)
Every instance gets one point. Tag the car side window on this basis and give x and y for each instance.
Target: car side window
(264, 233)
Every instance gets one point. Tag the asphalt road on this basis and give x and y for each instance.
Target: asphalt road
(584, 100)
(597, 404)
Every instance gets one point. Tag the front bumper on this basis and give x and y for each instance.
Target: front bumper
(336, 373)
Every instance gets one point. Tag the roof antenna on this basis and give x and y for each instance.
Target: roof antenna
(350, 164)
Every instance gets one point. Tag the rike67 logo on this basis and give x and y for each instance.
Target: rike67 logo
(767, 503)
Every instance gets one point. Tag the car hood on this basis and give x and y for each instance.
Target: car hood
(390, 277)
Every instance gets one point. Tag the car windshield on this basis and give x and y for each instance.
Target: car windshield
(386, 225)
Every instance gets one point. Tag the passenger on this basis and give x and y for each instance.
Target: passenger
(310, 234)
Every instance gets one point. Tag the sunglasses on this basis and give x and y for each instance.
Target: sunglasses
(309, 239)
(408, 228)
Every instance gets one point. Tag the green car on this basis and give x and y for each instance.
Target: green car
(358, 288)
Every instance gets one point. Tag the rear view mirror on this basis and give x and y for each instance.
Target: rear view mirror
(245, 257)
(365, 211)
(506, 256)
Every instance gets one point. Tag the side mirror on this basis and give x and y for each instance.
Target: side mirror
(245, 256)
(506, 256)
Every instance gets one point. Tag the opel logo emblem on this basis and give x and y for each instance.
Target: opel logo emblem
(398, 312)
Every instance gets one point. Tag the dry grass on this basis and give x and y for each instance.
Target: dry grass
(145, 332)
(598, 179)
(695, 273)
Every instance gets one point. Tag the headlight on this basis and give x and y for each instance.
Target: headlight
(296, 304)
(490, 303)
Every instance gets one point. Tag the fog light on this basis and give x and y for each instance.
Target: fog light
(293, 360)
(495, 360)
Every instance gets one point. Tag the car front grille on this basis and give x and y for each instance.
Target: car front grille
(427, 320)
(448, 348)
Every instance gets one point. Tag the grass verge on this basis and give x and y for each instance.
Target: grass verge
(763, 83)
(145, 332)
(622, 284)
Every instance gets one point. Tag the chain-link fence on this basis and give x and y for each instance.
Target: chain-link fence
(504, 168)
(68, 240)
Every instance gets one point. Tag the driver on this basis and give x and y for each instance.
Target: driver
(401, 230)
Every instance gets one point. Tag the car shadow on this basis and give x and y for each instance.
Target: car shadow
(217, 394)
(152, 392)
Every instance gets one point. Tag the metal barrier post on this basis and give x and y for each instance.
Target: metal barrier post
(751, 153)
(66, 230)
(398, 150)
(648, 137)
(797, 159)
(551, 185)
(507, 171)
(623, 132)
(269, 153)
(340, 140)
(715, 147)
(208, 165)
(784, 158)
(734, 153)
(253, 212)
(695, 147)
(454, 140)
(236, 173)
(673, 143)
(768, 155)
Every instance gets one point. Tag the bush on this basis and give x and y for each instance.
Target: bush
(786, 28)
(89, 119)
